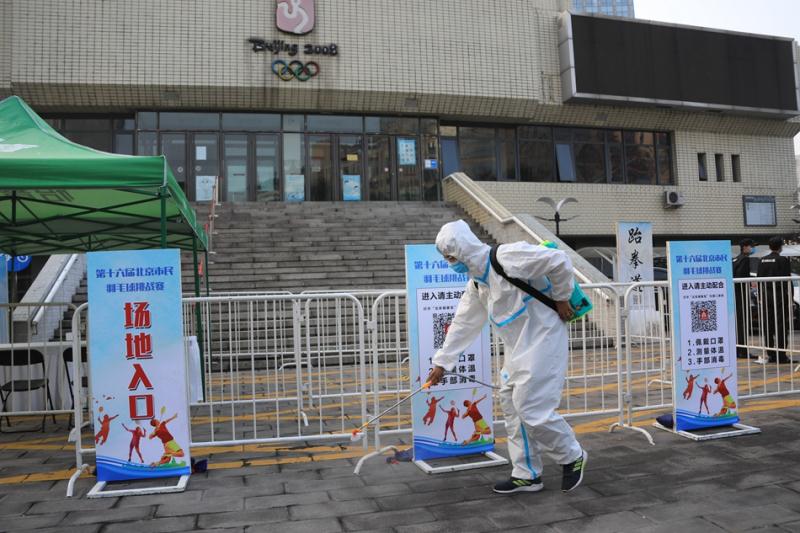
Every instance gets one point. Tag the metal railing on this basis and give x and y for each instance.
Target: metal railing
(297, 368)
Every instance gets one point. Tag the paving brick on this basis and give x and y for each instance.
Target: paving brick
(83, 528)
(497, 504)
(72, 504)
(607, 523)
(386, 519)
(108, 515)
(688, 525)
(534, 513)
(193, 508)
(323, 484)
(324, 525)
(624, 502)
(741, 519)
(14, 523)
(156, 525)
(474, 524)
(242, 518)
(332, 509)
(285, 500)
(370, 491)
(189, 496)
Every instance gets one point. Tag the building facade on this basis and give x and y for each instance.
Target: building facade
(379, 100)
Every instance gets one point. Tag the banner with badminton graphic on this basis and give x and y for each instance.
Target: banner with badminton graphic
(138, 368)
(704, 334)
(455, 417)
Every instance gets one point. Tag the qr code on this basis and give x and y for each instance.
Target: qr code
(704, 316)
(441, 323)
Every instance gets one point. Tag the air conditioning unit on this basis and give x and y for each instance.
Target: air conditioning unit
(673, 199)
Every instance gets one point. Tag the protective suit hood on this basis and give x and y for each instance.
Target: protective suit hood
(457, 240)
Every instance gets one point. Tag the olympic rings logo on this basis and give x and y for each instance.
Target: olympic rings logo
(295, 70)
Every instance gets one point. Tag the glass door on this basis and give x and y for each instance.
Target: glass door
(235, 162)
(379, 164)
(205, 153)
(351, 162)
(173, 146)
(320, 159)
(267, 180)
(409, 186)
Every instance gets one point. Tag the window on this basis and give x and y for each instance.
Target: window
(478, 153)
(702, 173)
(719, 164)
(640, 157)
(536, 153)
(251, 122)
(337, 123)
(735, 168)
(590, 157)
(566, 169)
(759, 210)
(189, 121)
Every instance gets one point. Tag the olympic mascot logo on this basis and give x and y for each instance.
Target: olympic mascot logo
(295, 16)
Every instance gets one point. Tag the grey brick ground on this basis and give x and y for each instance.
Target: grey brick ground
(678, 485)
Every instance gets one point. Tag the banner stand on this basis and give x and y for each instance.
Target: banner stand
(98, 492)
(493, 460)
(703, 342)
(740, 429)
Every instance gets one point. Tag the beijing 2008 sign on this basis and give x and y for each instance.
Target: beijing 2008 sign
(296, 17)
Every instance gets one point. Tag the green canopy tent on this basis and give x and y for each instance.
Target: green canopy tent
(60, 197)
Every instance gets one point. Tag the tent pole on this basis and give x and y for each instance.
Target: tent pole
(197, 316)
(162, 194)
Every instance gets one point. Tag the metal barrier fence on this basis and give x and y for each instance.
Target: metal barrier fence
(282, 368)
(36, 369)
(767, 321)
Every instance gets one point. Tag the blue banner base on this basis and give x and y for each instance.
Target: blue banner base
(110, 469)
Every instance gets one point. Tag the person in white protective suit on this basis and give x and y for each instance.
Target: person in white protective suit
(535, 340)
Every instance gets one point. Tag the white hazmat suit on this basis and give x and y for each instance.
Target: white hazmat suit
(534, 335)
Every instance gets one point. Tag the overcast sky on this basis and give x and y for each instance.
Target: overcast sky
(771, 17)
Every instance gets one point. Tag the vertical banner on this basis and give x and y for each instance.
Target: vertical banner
(634, 265)
(634, 252)
(703, 334)
(455, 417)
(138, 368)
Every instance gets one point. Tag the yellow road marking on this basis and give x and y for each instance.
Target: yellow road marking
(333, 452)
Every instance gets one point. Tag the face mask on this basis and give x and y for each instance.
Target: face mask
(460, 268)
(752, 250)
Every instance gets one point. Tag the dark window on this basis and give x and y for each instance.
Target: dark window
(478, 153)
(719, 164)
(735, 168)
(590, 156)
(293, 122)
(189, 121)
(391, 125)
(123, 143)
(506, 154)
(251, 122)
(640, 164)
(147, 143)
(147, 121)
(702, 171)
(536, 160)
(334, 124)
(640, 157)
